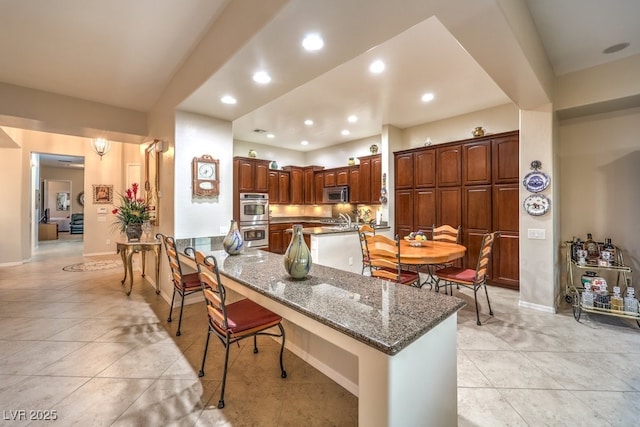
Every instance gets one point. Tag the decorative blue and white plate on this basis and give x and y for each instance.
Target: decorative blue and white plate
(536, 181)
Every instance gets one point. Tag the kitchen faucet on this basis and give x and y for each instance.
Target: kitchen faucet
(346, 218)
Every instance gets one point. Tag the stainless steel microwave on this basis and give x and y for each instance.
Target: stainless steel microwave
(336, 195)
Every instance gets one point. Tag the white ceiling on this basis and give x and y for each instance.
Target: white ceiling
(124, 53)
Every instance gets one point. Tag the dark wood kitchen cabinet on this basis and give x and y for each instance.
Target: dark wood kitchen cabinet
(342, 177)
(296, 182)
(279, 187)
(370, 179)
(318, 190)
(473, 183)
(355, 194)
(309, 184)
(250, 175)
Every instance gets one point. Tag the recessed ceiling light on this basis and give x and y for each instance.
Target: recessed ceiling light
(312, 42)
(376, 67)
(427, 97)
(304, 142)
(345, 132)
(616, 48)
(308, 122)
(270, 136)
(261, 77)
(228, 99)
(352, 118)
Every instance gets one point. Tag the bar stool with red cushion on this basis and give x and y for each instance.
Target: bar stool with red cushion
(363, 232)
(183, 284)
(233, 322)
(469, 278)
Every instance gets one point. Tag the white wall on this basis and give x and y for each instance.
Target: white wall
(599, 178)
(282, 157)
(195, 136)
(338, 155)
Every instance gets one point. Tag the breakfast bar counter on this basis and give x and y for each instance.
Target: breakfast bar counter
(404, 338)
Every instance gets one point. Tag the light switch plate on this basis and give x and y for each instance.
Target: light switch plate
(536, 233)
(102, 210)
(102, 219)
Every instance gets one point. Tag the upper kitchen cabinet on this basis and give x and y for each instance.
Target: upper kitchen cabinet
(370, 179)
(279, 187)
(355, 185)
(318, 188)
(505, 154)
(416, 169)
(309, 184)
(476, 163)
(250, 175)
(449, 165)
(329, 178)
(296, 191)
(342, 177)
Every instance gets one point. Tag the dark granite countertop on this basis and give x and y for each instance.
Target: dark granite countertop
(381, 314)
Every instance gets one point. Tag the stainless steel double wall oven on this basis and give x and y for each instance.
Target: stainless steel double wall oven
(254, 219)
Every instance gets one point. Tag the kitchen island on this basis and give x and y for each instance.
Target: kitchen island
(402, 339)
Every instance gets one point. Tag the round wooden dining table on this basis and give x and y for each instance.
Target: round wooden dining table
(429, 252)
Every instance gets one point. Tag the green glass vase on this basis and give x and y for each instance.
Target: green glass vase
(297, 258)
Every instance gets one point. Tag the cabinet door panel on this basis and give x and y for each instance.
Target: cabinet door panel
(477, 208)
(449, 162)
(449, 206)
(245, 176)
(404, 211)
(472, 240)
(476, 161)
(424, 165)
(296, 184)
(506, 208)
(342, 177)
(330, 178)
(376, 179)
(283, 188)
(261, 176)
(274, 193)
(425, 209)
(308, 185)
(506, 159)
(404, 170)
(318, 187)
(364, 191)
(355, 192)
(506, 261)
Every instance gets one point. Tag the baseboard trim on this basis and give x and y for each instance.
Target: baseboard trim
(539, 307)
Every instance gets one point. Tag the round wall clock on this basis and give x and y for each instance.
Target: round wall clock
(81, 198)
(537, 204)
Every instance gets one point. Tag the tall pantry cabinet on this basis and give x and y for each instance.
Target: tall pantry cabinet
(473, 183)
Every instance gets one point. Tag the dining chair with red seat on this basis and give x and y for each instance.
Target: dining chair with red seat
(444, 233)
(469, 278)
(233, 322)
(386, 262)
(183, 283)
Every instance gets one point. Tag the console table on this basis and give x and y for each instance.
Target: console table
(126, 251)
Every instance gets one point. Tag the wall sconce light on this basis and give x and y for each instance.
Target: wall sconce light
(101, 146)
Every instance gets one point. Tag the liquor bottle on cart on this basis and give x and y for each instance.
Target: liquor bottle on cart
(591, 246)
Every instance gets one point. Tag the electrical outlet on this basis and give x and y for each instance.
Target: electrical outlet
(350, 260)
(108, 242)
(536, 233)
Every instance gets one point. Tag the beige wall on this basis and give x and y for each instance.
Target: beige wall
(599, 160)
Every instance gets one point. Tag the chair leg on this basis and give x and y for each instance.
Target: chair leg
(488, 302)
(173, 297)
(475, 298)
(224, 373)
(181, 309)
(255, 344)
(204, 355)
(283, 373)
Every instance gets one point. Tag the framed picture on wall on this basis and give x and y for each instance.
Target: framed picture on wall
(102, 194)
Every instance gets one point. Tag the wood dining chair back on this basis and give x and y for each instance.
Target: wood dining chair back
(363, 232)
(233, 322)
(473, 279)
(446, 233)
(184, 283)
(385, 261)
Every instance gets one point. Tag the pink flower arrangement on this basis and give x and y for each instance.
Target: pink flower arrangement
(133, 210)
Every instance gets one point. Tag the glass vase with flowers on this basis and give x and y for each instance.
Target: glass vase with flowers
(131, 214)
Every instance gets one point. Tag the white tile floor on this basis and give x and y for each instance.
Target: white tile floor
(74, 343)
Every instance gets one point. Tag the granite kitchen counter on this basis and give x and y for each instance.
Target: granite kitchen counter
(381, 314)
